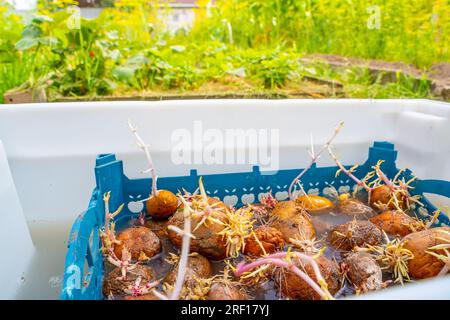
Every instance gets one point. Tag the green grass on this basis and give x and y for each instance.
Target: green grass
(252, 45)
(13, 74)
(416, 32)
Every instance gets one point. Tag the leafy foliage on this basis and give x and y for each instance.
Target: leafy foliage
(255, 44)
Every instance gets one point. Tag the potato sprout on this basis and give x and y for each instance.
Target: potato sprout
(314, 157)
(289, 260)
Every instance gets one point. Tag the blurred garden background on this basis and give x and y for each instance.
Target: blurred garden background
(66, 50)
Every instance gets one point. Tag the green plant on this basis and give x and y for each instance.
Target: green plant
(416, 32)
(80, 61)
(251, 45)
(184, 77)
(275, 70)
(35, 36)
(15, 66)
(143, 71)
(14, 73)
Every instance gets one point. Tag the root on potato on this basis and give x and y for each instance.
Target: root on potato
(383, 198)
(380, 196)
(113, 284)
(208, 241)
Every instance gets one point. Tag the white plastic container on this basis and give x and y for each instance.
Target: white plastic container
(51, 150)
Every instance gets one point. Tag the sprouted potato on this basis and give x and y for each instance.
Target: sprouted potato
(292, 221)
(116, 284)
(355, 233)
(162, 205)
(294, 287)
(198, 266)
(141, 242)
(392, 258)
(363, 272)
(224, 291)
(264, 240)
(430, 252)
(356, 208)
(383, 193)
(265, 235)
(224, 288)
(381, 197)
(397, 223)
(206, 228)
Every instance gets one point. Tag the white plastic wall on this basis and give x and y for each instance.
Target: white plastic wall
(51, 148)
(16, 245)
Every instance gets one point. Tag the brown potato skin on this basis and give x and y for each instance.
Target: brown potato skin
(208, 242)
(314, 203)
(294, 287)
(381, 195)
(211, 201)
(197, 266)
(424, 265)
(363, 271)
(287, 209)
(394, 222)
(163, 205)
(270, 238)
(222, 291)
(116, 287)
(356, 208)
(292, 221)
(357, 233)
(158, 227)
(137, 240)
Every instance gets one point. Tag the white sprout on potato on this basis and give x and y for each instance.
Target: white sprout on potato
(288, 260)
(108, 238)
(137, 289)
(314, 157)
(442, 252)
(398, 188)
(393, 258)
(201, 208)
(108, 233)
(145, 148)
(237, 229)
(185, 248)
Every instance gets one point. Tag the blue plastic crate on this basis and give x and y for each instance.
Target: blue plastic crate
(84, 259)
